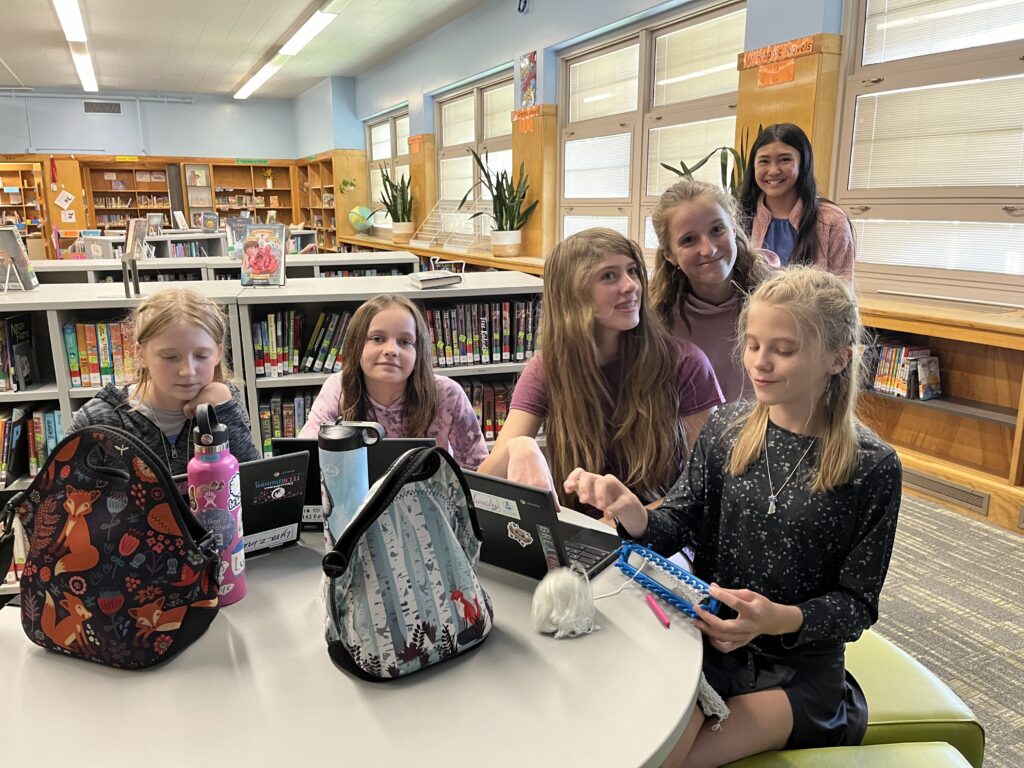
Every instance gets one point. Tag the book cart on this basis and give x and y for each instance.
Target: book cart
(325, 298)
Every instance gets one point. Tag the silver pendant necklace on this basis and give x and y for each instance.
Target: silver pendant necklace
(773, 496)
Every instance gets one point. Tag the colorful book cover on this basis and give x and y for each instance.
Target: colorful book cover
(341, 342)
(117, 353)
(71, 351)
(103, 345)
(209, 221)
(263, 255)
(309, 355)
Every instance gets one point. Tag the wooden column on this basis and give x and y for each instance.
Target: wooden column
(792, 82)
(349, 164)
(423, 172)
(535, 144)
(69, 177)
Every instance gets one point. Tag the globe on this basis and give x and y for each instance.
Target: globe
(359, 218)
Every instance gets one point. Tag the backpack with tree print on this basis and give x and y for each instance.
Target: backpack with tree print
(402, 593)
(118, 570)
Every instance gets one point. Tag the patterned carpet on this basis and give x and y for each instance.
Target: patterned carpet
(954, 599)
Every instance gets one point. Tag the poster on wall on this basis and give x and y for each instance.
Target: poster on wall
(528, 79)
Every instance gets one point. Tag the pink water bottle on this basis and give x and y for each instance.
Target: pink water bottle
(215, 496)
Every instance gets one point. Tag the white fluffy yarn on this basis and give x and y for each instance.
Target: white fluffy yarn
(563, 603)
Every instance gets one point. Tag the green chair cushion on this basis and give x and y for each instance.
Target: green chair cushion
(907, 703)
(914, 755)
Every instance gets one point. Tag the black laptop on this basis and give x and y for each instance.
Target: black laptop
(522, 532)
(272, 494)
(379, 456)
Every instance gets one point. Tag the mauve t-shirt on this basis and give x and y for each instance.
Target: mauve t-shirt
(695, 378)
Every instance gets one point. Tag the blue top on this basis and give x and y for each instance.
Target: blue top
(781, 239)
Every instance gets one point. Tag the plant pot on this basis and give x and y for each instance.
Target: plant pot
(402, 232)
(506, 244)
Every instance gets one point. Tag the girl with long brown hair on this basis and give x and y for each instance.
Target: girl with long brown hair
(612, 389)
(386, 376)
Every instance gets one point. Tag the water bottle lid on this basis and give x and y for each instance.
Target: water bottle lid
(209, 433)
(348, 435)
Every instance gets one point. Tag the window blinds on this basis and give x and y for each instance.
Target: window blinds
(967, 134)
(604, 85)
(380, 142)
(902, 29)
(498, 103)
(456, 177)
(458, 124)
(597, 167)
(688, 142)
(970, 245)
(402, 136)
(698, 61)
(572, 224)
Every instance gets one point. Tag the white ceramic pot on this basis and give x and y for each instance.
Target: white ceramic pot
(506, 243)
(402, 232)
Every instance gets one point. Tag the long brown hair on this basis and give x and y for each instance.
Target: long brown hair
(420, 404)
(643, 436)
(670, 286)
(825, 313)
(154, 314)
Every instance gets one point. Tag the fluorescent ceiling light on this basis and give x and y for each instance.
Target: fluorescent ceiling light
(314, 26)
(71, 20)
(699, 73)
(83, 63)
(266, 72)
(598, 97)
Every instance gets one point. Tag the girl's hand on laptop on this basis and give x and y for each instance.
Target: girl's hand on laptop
(608, 494)
(527, 465)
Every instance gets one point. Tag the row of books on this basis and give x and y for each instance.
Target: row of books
(119, 201)
(368, 272)
(278, 348)
(284, 416)
(99, 353)
(28, 438)
(17, 355)
(154, 201)
(903, 370)
(490, 400)
(485, 332)
(191, 248)
(249, 201)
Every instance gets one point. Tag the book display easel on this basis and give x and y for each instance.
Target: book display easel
(21, 199)
(119, 193)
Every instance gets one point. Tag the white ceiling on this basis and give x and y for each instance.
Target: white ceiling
(208, 46)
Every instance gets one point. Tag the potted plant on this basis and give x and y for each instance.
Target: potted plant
(507, 198)
(732, 182)
(396, 198)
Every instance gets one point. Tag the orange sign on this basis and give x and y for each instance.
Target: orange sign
(775, 73)
(524, 117)
(416, 143)
(804, 46)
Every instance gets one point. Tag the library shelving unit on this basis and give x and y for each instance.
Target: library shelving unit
(965, 448)
(168, 245)
(21, 199)
(529, 265)
(311, 296)
(322, 204)
(298, 265)
(241, 187)
(119, 193)
(197, 185)
(51, 306)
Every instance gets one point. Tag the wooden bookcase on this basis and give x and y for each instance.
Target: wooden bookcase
(21, 198)
(966, 448)
(119, 193)
(321, 202)
(239, 187)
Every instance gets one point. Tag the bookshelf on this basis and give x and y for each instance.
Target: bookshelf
(242, 187)
(21, 199)
(118, 193)
(311, 296)
(197, 185)
(965, 448)
(321, 204)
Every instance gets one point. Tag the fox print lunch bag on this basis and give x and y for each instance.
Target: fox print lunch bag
(118, 571)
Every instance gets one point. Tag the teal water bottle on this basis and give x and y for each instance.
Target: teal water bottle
(344, 473)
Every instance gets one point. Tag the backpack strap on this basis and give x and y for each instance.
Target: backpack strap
(7, 533)
(417, 464)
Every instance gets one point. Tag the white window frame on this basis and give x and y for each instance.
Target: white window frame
(381, 220)
(638, 205)
(985, 204)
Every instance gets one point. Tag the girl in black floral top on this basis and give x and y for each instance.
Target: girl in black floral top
(790, 505)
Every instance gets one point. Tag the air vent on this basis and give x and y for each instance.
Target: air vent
(102, 107)
(957, 494)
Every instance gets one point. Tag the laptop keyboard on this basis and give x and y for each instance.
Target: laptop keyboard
(585, 555)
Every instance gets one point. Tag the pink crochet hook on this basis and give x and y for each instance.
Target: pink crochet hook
(658, 612)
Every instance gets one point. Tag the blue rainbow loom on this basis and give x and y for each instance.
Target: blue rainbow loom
(686, 590)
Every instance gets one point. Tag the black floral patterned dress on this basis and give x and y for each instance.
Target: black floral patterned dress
(826, 553)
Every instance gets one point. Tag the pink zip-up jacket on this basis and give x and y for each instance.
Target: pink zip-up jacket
(836, 251)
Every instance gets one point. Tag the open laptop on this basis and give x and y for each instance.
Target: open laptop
(272, 491)
(379, 456)
(522, 532)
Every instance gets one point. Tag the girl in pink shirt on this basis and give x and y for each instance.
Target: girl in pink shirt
(386, 376)
(704, 273)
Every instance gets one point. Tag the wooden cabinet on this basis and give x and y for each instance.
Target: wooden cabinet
(119, 193)
(21, 199)
(264, 191)
(966, 448)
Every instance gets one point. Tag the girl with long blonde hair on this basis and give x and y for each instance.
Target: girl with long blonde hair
(790, 505)
(613, 391)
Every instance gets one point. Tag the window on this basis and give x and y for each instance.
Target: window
(660, 94)
(477, 118)
(388, 143)
(931, 164)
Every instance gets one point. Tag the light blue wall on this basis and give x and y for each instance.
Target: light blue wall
(311, 116)
(776, 21)
(348, 128)
(200, 126)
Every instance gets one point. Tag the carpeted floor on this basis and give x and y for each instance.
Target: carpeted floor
(954, 599)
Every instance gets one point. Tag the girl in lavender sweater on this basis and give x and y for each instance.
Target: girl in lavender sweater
(386, 376)
(705, 271)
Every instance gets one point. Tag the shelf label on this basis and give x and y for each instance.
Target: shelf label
(126, 158)
(250, 161)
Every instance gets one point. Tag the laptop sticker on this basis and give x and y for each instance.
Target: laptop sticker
(547, 543)
(518, 535)
(496, 504)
